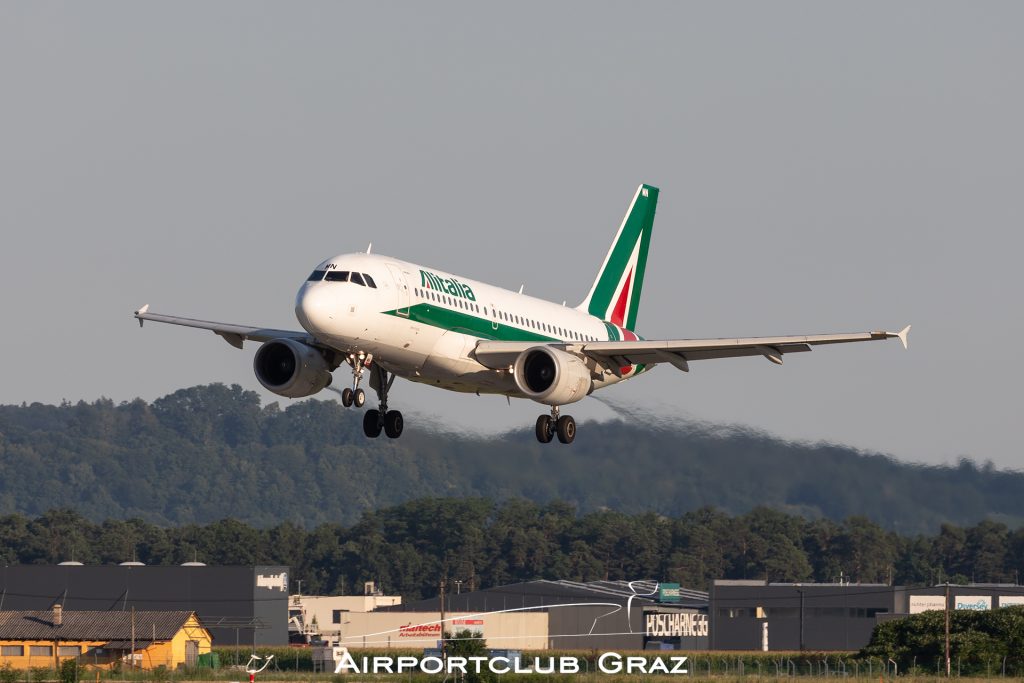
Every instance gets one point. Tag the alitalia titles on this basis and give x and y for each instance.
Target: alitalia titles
(447, 285)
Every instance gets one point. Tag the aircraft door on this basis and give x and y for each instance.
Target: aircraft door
(402, 287)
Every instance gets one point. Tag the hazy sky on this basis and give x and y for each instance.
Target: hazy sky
(824, 167)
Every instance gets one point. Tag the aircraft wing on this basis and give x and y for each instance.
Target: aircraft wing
(232, 334)
(614, 355)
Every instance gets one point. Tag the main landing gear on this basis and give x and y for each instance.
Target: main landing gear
(356, 396)
(377, 420)
(549, 425)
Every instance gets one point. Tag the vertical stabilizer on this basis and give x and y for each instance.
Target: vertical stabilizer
(615, 294)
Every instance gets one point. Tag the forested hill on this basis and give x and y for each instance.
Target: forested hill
(211, 452)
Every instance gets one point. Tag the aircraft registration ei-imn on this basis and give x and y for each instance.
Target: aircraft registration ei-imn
(387, 318)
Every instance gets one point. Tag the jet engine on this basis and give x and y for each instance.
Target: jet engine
(291, 368)
(552, 376)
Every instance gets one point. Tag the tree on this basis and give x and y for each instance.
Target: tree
(985, 552)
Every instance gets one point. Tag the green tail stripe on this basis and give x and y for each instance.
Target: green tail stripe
(637, 225)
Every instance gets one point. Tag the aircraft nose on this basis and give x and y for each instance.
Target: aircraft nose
(313, 307)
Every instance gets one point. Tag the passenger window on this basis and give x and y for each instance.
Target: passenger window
(316, 276)
(369, 281)
(337, 276)
(358, 279)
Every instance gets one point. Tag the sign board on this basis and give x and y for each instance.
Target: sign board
(675, 624)
(923, 603)
(1011, 600)
(273, 581)
(474, 625)
(411, 630)
(972, 602)
(668, 592)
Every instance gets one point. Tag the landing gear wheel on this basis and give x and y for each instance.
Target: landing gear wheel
(346, 397)
(393, 424)
(545, 428)
(566, 428)
(371, 423)
(358, 398)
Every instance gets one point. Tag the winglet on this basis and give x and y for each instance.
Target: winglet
(902, 334)
(141, 312)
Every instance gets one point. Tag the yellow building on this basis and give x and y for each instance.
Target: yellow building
(144, 638)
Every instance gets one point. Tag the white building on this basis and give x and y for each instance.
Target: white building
(320, 617)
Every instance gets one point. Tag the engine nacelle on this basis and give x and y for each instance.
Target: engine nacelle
(291, 368)
(552, 376)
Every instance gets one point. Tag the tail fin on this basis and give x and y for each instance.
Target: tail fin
(615, 294)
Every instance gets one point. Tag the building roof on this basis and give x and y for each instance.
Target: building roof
(645, 589)
(541, 593)
(88, 625)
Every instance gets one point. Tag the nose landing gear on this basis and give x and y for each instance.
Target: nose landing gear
(356, 396)
(351, 398)
(549, 425)
(380, 419)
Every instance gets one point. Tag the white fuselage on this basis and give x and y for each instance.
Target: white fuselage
(423, 324)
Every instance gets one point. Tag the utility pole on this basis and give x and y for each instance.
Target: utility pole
(947, 629)
(442, 621)
(133, 637)
(801, 619)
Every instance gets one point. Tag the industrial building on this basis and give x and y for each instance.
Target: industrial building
(252, 606)
(565, 615)
(811, 616)
(142, 639)
(830, 616)
(320, 617)
(238, 605)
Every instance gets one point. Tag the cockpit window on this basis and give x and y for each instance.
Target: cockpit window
(316, 276)
(358, 279)
(337, 276)
(369, 281)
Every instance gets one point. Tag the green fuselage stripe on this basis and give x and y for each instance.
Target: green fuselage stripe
(467, 323)
(484, 328)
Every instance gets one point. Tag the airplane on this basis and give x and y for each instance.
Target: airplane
(386, 318)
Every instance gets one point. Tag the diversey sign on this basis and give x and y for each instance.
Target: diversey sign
(973, 602)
